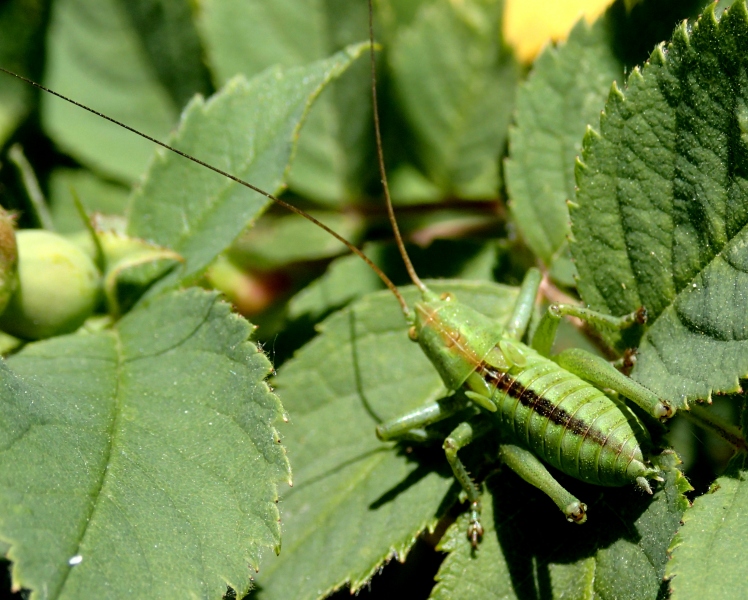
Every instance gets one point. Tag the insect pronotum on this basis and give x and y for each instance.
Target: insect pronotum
(546, 409)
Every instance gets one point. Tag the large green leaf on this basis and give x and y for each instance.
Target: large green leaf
(168, 34)
(565, 91)
(662, 209)
(356, 501)
(279, 240)
(349, 277)
(247, 129)
(246, 37)
(22, 24)
(456, 84)
(709, 550)
(95, 55)
(529, 552)
(142, 461)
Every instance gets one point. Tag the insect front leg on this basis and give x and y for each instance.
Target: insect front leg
(525, 464)
(411, 425)
(464, 434)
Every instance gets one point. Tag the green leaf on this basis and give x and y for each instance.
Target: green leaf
(142, 461)
(566, 90)
(129, 266)
(95, 56)
(247, 129)
(356, 501)
(346, 279)
(169, 36)
(349, 277)
(96, 195)
(22, 24)
(709, 550)
(529, 551)
(246, 37)
(456, 85)
(279, 240)
(662, 213)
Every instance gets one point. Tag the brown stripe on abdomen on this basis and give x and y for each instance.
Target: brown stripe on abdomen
(539, 405)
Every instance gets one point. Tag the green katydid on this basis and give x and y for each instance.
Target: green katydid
(545, 408)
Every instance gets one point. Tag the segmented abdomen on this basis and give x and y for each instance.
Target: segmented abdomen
(566, 421)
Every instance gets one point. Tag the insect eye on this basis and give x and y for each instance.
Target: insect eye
(413, 334)
(447, 297)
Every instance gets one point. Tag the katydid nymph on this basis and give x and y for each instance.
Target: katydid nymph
(543, 408)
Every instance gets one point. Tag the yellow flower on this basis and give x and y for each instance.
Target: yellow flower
(529, 24)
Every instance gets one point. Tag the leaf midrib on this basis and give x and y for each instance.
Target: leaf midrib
(95, 494)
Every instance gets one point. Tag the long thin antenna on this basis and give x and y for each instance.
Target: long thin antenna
(291, 207)
(380, 157)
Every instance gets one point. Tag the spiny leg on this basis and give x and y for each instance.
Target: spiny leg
(525, 464)
(410, 425)
(602, 374)
(524, 305)
(463, 434)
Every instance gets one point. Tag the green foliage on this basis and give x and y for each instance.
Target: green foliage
(164, 459)
(550, 124)
(621, 555)
(342, 472)
(707, 552)
(97, 37)
(198, 213)
(140, 455)
(663, 185)
(456, 83)
(248, 37)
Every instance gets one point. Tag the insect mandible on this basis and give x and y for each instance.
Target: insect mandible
(547, 409)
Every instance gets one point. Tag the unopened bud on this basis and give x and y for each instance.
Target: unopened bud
(8, 257)
(58, 287)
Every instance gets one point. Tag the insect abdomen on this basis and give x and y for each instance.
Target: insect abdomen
(567, 422)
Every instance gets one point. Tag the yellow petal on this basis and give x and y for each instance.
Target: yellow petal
(529, 24)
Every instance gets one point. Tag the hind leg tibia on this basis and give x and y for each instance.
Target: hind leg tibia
(528, 466)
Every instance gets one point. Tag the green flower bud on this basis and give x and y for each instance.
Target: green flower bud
(58, 287)
(8, 257)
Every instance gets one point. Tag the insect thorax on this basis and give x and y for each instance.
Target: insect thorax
(455, 337)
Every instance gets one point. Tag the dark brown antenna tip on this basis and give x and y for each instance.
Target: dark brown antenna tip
(380, 159)
(386, 280)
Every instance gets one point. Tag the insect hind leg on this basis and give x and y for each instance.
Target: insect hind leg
(602, 374)
(525, 464)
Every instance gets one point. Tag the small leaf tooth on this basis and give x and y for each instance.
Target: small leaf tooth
(592, 134)
(615, 91)
(659, 55)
